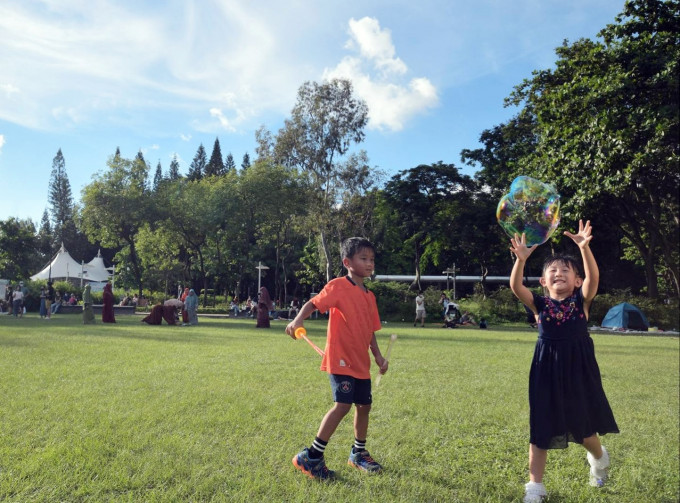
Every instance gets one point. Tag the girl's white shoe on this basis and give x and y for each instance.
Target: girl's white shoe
(534, 492)
(599, 468)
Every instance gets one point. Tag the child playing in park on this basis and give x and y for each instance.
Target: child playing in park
(566, 400)
(352, 322)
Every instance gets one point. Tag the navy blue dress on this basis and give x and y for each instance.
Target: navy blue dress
(566, 399)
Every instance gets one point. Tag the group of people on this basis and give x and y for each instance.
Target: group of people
(567, 402)
(184, 308)
(14, 301)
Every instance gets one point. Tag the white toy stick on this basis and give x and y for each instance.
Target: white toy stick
(393, 338)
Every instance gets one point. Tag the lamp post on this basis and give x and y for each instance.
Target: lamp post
(260, 268)
(451, 271)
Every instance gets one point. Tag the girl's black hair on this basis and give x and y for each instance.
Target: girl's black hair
(569, 260)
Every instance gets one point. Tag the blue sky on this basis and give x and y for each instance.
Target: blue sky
(163, 76)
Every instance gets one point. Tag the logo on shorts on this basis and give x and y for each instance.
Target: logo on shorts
(345, 386)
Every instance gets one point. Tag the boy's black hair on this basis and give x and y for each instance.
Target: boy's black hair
(352, 246)
(569, 260)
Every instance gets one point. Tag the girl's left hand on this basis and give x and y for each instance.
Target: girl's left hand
(583, 236)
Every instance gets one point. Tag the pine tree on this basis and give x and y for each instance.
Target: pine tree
(158, 176)
(229, 163)
(197, 167)
(215, 166)
(246, 161)
(143, 173)
(45, 236)
(60, 198)
(173, 173)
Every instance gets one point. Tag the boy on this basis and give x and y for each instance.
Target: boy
(353, 319)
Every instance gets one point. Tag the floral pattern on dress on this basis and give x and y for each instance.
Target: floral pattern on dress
(561, 311)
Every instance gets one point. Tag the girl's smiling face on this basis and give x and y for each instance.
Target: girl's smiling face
(560, 279)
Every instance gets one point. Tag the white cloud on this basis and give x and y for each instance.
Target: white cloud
(375, 44)
(2, 142)
(76, 62)
(378, 77)
(185, 137)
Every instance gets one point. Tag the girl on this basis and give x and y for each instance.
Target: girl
(566, 399)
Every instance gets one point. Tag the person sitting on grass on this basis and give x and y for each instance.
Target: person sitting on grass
(566, 400)
(352, 322)
(467, 319)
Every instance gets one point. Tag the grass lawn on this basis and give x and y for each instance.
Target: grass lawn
(130, 412)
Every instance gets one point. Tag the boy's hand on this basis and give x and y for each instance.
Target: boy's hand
(583, 236)
(382, 363)
(519, 247)
(290, 328)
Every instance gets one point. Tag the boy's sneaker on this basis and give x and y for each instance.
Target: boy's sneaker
(599, 468)
(534, 492)
(313, 468)
(362, 460)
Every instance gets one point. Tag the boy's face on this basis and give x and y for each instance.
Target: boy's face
(362, 264)
(560, 279)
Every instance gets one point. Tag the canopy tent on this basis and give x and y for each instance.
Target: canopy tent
(626, 316)
(64, 268)
(95, 270)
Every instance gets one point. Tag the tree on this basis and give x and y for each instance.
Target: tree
(173, 172)
(606, 118)
(276, 224)
(115, 206)
(158, 176)
(419, 197)
(229, 164)
(245, 164)
(45, 236)
(197, 167)
(61, 202)
(19, 254)
(325, 121)
(215, 166)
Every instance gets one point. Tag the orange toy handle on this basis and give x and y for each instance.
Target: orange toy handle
(300, 332)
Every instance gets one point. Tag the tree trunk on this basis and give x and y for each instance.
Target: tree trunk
(324, 247)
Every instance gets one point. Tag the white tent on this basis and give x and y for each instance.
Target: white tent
(95, 269)
(64, 267)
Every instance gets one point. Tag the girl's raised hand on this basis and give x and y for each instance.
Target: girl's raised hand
(583, 236)
(519, 247)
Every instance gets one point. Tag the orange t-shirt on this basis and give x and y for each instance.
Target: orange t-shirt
(353, 318)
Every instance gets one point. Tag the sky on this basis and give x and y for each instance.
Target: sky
(164, 76)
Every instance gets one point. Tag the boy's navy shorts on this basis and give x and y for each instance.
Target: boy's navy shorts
(348, 389)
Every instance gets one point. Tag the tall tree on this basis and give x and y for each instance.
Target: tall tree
(115, 206)
(173, 172)
(325, 121)
(158, 176)
(425, 200)
(61, 202)
(197, 167)
(229, 164)
(607, 118)
(245, 164)
(45, 236)
(215, 166)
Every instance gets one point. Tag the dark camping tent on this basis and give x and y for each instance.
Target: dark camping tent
(627, 316)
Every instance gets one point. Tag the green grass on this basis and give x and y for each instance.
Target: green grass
(130, 412)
